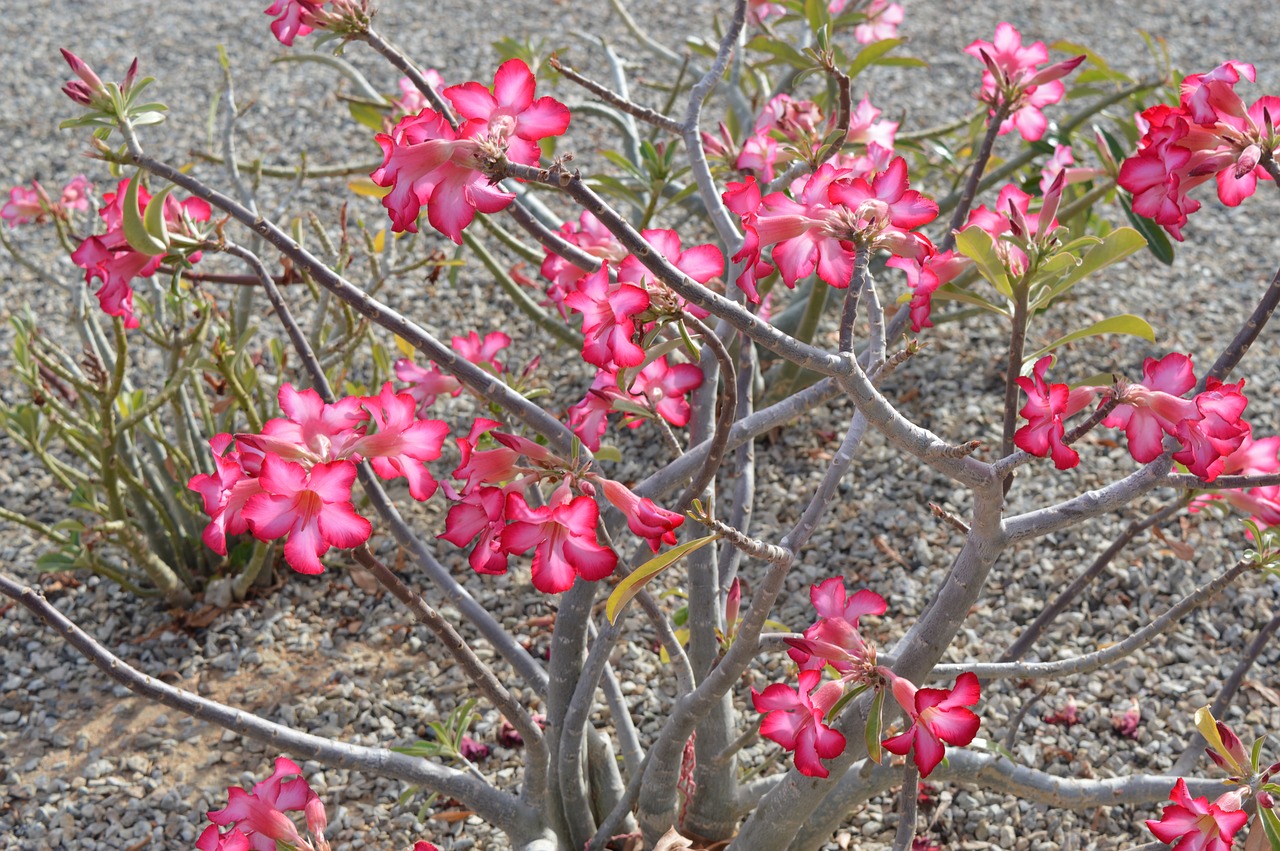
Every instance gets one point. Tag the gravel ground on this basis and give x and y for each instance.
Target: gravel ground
(86, 766)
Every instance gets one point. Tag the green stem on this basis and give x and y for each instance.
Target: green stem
(35, 526)
(805, 332)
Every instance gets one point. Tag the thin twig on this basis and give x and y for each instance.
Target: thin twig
(616, 100)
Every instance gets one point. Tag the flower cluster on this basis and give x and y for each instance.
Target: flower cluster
(427, 162)
(825, 220)
(260, 819)
(297, 18)
(1011, 84)
(1208, 427)
(426, 383)
(294, 478)
(27, 205)
(1210, 133)
(797, 718)
(110, 258)
(494, 506)
(787, 129)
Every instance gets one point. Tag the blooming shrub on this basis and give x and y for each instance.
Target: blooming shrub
(662, 280)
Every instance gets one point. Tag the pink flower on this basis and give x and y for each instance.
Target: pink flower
(482, 352)
(312, 430)
(1155, 407)
(590, 417)
(882, 21)
(834, 638)
(647, 520)
(664, 389)
(864, 129)
(1252, 458)
(744, 199)
(411, 101)
(564, 534)
(427, 163)
(510, 114)
(294, 19)
(402, 443)
(803, 232)
(702, 263)
(225, 492)
(109, 258)
(1047, 406)
(886, 210)
(1011, 78)
(924, 277)
(260, 815)
(794, 720)
(937, 716)
(480, 514)
(1194, 824)
(424, 385)
(25, 205)
(1216, 433)
(608, 319)
(212, 840)
(593, 238)
(312, 507)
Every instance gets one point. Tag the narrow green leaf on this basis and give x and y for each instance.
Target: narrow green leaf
(1157, 241)
(1125, 323)
(366, 115)
(840, 704)
(1117, 245)
(872, 54)
(135, 230)
(632, 585)
(947, 292)
(976, 244)
(875, 722)
(1271, 826)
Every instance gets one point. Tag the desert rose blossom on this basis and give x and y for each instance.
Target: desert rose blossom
(509, 114)
(866, 129)
(834, 638)
(593, 238)
(425, 384)
(1216, 433)
(225, 491)
(1012, 82)
(1210, 133)
(744, 200)
(260, 815)
(1252, 458)
(478, 516)
(646, 519)
(428, 163)
(1194, 824)
(563, 537)
(312, 507)
(1153, 408)
(794, 719)
(609, 312)
(937, 715)
(702, 263)
(802, 234)
(1048, 405)
(33, 205)
(411, 101)
(398, 444)
(883, 19)
(924, 276)
(294, 19)
(110, 259)
(89, 90)
(885, 212)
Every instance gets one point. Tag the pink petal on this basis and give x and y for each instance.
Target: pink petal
(513, 85)
(472, 101)
(546, 116)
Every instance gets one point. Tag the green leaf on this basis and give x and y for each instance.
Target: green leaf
(1157, 241)
(608, 452)
(875, 721)
(976, 244)
(1126, 323)
(1271, 826)
(135, 231)
(632, 585)
(780, 51)
(947, 292)
(873, 54)
(54, 562)
(840, 704)
(367, 115)
(1117, 245)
